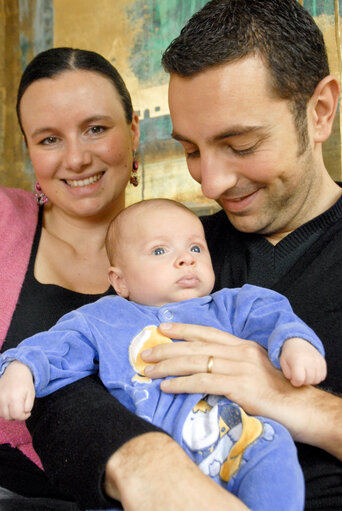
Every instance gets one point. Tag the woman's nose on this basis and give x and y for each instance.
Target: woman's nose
(77, 156)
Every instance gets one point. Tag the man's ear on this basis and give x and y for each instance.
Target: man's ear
(324, 104)
(118, 281)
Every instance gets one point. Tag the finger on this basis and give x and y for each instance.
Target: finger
(28, 403)
(299, 376)
(286, 368)
(4, 411)
(179, 366)
(187, 365)
(197, 333)
(16, 408)
(244, 350)
(202, 383)
(324, 369)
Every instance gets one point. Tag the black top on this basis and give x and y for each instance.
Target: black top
(39, 305)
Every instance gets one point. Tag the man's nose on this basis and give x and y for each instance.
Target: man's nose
(217, 176)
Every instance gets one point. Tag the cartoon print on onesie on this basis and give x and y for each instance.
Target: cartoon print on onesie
(216, 432)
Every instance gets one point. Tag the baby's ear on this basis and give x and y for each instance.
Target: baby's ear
(118, 281)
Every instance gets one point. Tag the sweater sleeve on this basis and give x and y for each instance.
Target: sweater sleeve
(267, 318)
(75, 431)
(65, 353)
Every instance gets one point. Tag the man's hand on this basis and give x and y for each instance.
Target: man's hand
(16, 392)
(242, 371)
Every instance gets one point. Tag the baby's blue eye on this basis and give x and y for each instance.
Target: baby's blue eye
(195, 248)
(158, 251)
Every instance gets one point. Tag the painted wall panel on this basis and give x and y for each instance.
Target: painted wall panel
(26, 27)
(132, 34)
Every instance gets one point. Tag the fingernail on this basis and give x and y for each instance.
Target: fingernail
(165, 326)
(148, 369)
(145, 354)
(164, 384)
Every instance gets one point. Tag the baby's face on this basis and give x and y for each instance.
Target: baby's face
(164, 257)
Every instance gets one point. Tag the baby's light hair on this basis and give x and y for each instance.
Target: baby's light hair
(116, 228)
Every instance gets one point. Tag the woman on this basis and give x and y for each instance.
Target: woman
(77, 120)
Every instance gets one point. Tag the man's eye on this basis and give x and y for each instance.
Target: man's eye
(192, 154)
(244, 152)
(95, 130)
(158, 251)
(195, 248)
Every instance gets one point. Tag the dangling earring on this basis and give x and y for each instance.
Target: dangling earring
(41, 198)
(134, 178)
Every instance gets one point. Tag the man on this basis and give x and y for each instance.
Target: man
(252, 101)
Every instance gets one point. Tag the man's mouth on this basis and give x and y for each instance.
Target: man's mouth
(238, 203)
(84, 182)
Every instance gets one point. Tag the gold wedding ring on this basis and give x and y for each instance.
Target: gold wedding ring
(210, 364)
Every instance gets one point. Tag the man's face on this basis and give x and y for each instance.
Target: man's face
(241, 144)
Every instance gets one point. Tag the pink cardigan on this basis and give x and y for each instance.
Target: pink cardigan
(18, 222)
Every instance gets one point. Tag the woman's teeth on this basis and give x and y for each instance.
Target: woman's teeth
(84, 182)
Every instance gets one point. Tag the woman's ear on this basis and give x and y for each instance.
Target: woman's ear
(118, 281)
(135, 130)
(324, 104)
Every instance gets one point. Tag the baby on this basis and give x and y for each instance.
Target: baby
(161, 270)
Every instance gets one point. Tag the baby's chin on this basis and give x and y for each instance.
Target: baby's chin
(180, 295)
(183, 295)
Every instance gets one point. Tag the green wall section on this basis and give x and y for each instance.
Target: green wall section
(36, 22)
(158, 23)
(318, 7)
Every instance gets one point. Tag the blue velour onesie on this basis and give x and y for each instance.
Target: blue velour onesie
(253, 457)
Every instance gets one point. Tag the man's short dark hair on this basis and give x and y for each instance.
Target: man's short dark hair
(281, 32)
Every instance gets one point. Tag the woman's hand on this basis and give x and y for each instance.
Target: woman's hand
(243, 373)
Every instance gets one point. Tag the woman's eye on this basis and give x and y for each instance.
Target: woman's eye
(49, 141)
(195, 248)
(158, 251)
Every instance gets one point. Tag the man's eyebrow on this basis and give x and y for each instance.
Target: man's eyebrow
(233, 131)
(236, 131)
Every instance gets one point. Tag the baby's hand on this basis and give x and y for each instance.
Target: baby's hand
(301, 363)
(16, 392)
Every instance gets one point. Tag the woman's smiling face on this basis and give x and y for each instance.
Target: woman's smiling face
(79, 141)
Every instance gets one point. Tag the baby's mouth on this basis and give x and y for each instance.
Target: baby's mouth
(84, 182)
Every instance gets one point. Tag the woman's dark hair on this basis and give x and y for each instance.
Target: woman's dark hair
(50, 63)
(281, 32)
